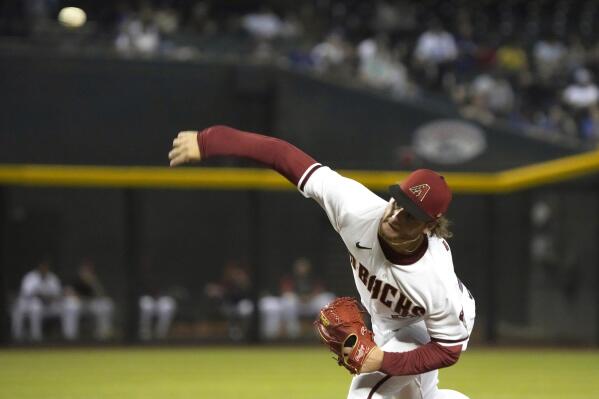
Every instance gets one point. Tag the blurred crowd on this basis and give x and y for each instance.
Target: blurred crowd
(80, 308)
(286, 311)
(528, 64)
(45, 302)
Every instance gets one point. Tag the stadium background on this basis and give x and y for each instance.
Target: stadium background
(108, 118)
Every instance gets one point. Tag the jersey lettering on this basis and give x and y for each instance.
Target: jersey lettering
(370, 283)
(386, 290)
(352, 261)
(418, 311)
(363, 274)
(376, 289)
(404, 307)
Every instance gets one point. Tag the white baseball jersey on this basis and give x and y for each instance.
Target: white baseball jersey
(34, 284)
(395, 295)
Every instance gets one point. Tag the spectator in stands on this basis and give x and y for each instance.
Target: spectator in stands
(138, 34)
(556, 121)
(156, 313)
(86, 295)
(380, 67)
(435, 53)
(439, 61)
(488, 96)
(549, 56)
(166, 18)
(581, 97)
(200, 19)
(466, 64)
(576, 57)
(395, 19)
(40, 297)
(332, 55)
(511, 59)
(263, 24)
(233, 296)
(302, 295)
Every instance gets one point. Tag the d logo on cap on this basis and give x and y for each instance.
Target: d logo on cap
(420, 191)
(424, 194)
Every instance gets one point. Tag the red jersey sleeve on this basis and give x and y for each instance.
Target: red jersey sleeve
(431, 356)
(275, 153)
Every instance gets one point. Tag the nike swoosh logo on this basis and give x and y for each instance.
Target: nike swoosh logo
(361, 247)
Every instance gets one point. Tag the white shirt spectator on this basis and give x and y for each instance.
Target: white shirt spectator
(495, 95)
(263, 25)
(40, 297)
(329, 53)
(583, 93)
(581, 96)
(436, 46)
(35, 285)
(379, 69)
(548, 56)
(549, 51)
(135, 37)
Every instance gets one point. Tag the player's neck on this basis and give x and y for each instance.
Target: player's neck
(407, 247)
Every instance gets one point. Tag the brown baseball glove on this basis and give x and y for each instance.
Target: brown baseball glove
(341, 326)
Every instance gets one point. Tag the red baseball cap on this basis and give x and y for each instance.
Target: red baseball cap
(424, 194)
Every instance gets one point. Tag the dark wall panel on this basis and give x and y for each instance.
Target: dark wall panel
(94, 111)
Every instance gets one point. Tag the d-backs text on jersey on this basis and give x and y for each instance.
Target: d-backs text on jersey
(387, 294)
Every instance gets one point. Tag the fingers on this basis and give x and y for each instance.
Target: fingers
(178, 160)
(176, 156)
(185, 148)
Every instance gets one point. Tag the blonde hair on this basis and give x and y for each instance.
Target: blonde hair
(440, 228)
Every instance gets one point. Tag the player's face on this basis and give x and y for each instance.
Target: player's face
(398, 226)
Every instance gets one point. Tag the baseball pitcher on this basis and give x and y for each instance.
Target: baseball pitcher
(421, 313)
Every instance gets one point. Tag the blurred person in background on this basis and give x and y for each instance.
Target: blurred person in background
(549, 56)
(581, 98)
(233, 297)
(86, 295)
(263, 24)
(435, 54)
(381, 67)
(40, 297)
(488, 96)
(139, 33)
(512, 59)
(156, 314)
(331, 56)
(302, 296)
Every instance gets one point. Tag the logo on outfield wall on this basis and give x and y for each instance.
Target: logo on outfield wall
(449, 141)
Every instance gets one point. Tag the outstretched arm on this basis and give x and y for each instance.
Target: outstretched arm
(274, 153)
